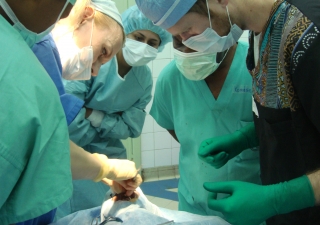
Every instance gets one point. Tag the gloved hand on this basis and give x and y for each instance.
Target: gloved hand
(128, 186)
(115, 169)
(218, 151)
(251, 204)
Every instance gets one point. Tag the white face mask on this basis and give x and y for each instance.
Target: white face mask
(29, 36)
(136, 53)
(76, 63)
(210, 41)
(196, 65)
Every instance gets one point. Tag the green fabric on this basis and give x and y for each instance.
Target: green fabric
(250, 204)
(217, 151)
(189, 108)
(35, 174)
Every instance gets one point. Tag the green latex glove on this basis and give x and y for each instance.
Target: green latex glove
(251, 204)
(218, 151)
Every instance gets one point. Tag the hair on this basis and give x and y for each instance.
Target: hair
(100, 19)
(200, 7)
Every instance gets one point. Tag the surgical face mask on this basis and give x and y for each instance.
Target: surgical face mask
(76, 63)
(210, 41)
(136, 53)
(29, 36)
(196, 65)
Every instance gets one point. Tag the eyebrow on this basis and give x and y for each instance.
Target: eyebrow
(151, 39)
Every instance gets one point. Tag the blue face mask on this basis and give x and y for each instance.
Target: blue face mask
(29, 36)
(211, 42)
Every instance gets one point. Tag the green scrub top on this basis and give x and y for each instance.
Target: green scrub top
(35, 174)
(189, 108)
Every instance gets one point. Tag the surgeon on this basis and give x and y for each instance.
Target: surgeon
(88, 38)
(283, 61)
(114, 102)
(34, 146)
(201, 95)
(39, 162)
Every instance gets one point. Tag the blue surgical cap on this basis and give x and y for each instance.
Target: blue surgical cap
(107, 7)
(133, 20)
(165, 13)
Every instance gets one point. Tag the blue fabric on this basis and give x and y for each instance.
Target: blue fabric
(155, 10)
(133, 20)
(41, 220)
(47, 53)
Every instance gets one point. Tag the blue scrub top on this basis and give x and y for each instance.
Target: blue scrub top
(189, 108)
(47, 53)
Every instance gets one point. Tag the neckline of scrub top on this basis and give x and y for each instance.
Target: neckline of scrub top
(218, 105)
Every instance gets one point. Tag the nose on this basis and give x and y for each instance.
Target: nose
(185, 36)
(95, 68)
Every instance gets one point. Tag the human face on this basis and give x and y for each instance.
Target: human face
(193, 24)
(146, 36)
(177, 44)
(106, 42)
(37, 16)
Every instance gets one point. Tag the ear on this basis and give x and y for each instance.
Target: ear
(88, 13)
(223, 3)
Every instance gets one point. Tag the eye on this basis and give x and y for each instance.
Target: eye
(104, 51)
(139, 38)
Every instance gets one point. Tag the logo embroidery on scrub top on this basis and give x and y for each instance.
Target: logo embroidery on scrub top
(242, 89)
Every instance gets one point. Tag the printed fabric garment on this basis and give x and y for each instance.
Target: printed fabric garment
(35, 171)
(123, 102)
(189, 108)
(286, 93)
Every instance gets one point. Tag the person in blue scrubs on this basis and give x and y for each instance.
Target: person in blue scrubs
(114, 102)
(199, 96)
(47, 53)
(33, 140)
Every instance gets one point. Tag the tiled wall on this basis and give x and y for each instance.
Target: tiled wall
(158, 148)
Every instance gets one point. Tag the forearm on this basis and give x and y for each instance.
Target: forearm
(129, 124)
(315, 183)
(83, 164)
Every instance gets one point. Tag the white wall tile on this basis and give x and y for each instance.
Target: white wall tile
(148, 107)
(154, 86)
(174, 143)
(158, 65)
(157, 127)
(148, 125)
(147, 159)
(175, 156)
(147, 142)
(162, 140)
(162, 157)
(166, 52)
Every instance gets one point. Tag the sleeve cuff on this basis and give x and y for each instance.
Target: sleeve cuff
(96, 118)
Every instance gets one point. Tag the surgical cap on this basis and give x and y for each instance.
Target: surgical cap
(109, 8)
(165, 13)
(133, 20)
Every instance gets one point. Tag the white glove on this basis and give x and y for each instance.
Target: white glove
(115, 169)
(96, 118)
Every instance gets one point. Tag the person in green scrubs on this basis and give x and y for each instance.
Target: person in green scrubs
(35, 174)
(193, 104)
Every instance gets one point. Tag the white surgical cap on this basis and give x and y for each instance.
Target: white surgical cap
(133, 20)
(165, 13)
(109, 8)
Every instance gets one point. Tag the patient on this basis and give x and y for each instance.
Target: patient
(135, 210)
